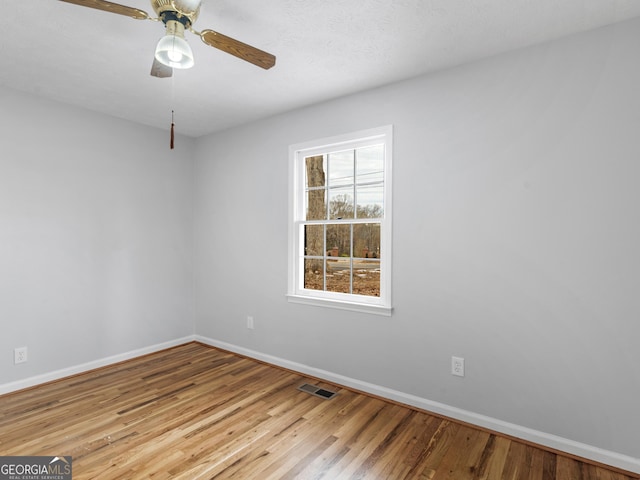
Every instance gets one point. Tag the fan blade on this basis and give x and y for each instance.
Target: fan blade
(160, 70)
(241, 50)
(111, 7)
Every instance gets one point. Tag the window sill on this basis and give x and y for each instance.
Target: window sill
(351, 306)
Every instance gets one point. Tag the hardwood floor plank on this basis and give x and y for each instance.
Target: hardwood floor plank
(535, 459)
(491, 463)
(459, 456)
(437, 447)
(515, 467)
(194, 413)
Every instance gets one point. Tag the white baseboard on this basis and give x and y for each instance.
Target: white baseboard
(555, 442)
(571, 447)
(85, 367)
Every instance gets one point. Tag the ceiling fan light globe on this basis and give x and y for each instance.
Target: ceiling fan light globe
(174, 51)
(175, 56)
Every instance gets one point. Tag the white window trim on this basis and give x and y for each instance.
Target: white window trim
(374, 305)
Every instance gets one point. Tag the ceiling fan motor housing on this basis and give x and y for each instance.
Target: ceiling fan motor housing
(185, 12)
(170, 19)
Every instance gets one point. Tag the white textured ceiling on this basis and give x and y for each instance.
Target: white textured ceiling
(324, 49)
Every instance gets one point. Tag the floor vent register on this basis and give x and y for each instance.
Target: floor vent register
(317, 391)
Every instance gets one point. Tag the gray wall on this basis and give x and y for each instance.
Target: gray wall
(96, 234)
(516, 233)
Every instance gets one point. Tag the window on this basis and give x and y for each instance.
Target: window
(340, 222)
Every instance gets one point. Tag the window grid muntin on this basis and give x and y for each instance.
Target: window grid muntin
(325, 257)
(328, 187)
(352, 185)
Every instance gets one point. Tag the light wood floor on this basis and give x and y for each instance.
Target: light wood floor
(194, 412)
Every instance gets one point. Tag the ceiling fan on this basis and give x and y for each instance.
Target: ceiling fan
(172, 50)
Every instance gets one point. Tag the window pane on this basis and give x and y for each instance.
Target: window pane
(341, 203)
(315, 171)
(370, 164)
(366, 240)
(315, 204)
(338, 240)
(314, 274)
(339, 275)
(314, 240)
(370, 201)
(341, 168)
(366, 277)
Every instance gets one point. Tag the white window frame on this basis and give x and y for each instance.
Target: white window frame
(381, 305)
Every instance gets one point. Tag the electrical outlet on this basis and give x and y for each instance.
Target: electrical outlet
(457, 366)
(250, 322)
(19, 355)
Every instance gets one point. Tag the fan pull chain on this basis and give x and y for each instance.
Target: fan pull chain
(173, 102)
(172, 130)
